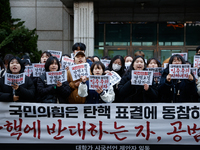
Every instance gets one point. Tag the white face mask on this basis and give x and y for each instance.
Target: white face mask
(116, 67)
(127, 64)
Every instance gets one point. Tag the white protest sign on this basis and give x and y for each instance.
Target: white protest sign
(14, 78)
(114, 77)
(195, 72)
(57, 54)
(38, 69)
(54, 76)
(196, 61)
(179, 71)
(96, 81)
(66, 62)
(72, 55)
(141, 77)
(184, 55)
(79, 70)
(28, 70)
(105, 62)
(156, 72)
(165, 65)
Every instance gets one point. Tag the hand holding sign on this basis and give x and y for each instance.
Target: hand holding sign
(15, 98)
(146, 87)
(99, 90)
(15, 86)
(59, 84)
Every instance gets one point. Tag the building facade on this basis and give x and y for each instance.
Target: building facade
(110, 27)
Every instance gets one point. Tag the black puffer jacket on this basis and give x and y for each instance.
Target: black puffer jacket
(135, 93)
(50, 93)
(25, 91)
(182, 90)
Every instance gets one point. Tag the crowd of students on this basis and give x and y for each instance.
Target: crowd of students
(35, 89)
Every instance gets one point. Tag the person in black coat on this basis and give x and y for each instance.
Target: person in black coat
(50, 93)
(136, 93)
(177, 90)
(17, 93)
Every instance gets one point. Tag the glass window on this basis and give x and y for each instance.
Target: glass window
(99, 51)
(148, 53)
(191, 54)
(171, 34)
(99, 34)
(117, 34)
(144, 34)
(192, 34)
(112, 53)
(168, 53)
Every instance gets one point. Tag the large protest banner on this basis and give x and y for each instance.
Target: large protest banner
(116, 123)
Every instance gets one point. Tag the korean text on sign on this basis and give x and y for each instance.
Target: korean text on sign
(14, 78)
(38, 69)
(28, 70)
(196, 61)
(79, 70)
(105, 62)
(54, 76)
(156, 73)
(66, 62)
(99, 81)
(179, 71)
(141, 77)
(195, 72)
(114, 78)
(57, 54)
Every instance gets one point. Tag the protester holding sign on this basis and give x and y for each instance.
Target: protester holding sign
(99, 95)
(74, 98)
(117, 64)
(136, 93)
(177, 90)
(50, 93)
(15, 92)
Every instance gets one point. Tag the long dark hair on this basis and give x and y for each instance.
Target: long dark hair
(122, 69)
(20, 62)
(50, 61)
(98, 63)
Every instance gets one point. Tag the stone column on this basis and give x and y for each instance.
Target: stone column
(84, 25)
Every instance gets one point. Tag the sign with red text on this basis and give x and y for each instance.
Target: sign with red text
(57, 54)
(96, 81)
(184, 55)
(54, 76)
(28, 70)
(196, 61)
(115, 123)
(157, 73)
(38, 69)
(195, 72)
(105, 62)
(141, 77)
(66, 62)
(114, 77)
(179, 71)
(11, 79)
(79, 70)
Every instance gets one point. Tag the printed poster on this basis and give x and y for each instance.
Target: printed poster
(66, 62)
(105, 62)
(96, 81)
(54, 76)
(55, 53)
(38, 69)
(28, 70)
(196, 61)
(179, 71)
(14, 79)
(79, 70)
(114, 77)
(141, 77)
